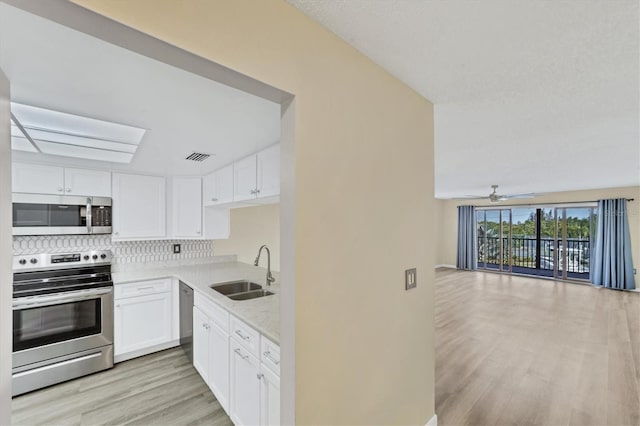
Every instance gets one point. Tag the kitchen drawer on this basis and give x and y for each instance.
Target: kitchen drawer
(218, 315)
(270, 355)
(246, 336)
(141, 288)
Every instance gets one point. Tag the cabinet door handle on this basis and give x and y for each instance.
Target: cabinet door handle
(60, 189)
(118, 305)
(239, 333)
(268, 356)
(146, 288)
(240, 353)
(257, 191)
(253, 192)
(68, 189)
(214, 199)
(260, 376)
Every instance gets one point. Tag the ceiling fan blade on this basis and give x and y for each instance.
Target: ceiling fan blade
(471, 197)
(530, 195)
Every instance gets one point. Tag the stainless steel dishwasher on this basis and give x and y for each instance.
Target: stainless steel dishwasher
(186, 320)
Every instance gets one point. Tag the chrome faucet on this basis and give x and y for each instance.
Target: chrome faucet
(270, 278)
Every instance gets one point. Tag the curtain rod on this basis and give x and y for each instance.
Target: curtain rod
(575, 202)
(497, 205)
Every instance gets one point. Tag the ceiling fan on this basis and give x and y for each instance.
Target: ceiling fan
(494, 197)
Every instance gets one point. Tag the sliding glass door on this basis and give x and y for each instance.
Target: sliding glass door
(543, 241)
(575, 227)
(494, 239)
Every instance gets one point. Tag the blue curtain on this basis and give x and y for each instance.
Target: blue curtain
(467, 240)
(611, 262)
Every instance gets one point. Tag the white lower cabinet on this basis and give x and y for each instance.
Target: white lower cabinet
(245, 386)
(219, 364)
(144, 318)
(201, 343)
(269, 397)
(211, 347)
(240, 366)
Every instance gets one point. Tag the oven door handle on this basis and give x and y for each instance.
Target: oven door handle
(57, 299)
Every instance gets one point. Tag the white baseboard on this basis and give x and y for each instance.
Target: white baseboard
(146, 351)
(444, 265)
(433, 421)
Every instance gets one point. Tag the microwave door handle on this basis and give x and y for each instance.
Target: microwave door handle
(89, 216)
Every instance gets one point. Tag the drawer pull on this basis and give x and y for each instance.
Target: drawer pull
(146, 288)
(240, 353)
(239, 333)
(268, 356)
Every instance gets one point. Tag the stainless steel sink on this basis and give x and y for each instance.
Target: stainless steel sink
(235, 287)
(250, 295)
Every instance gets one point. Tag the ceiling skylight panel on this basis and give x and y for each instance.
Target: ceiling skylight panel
(42, 135)
(19, 143)
(60, 122)
(83, 152)
(58, 133)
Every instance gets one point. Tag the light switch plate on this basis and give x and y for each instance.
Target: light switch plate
(410, 279)
(176, 248)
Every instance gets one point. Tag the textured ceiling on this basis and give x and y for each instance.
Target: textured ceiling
(536, 96)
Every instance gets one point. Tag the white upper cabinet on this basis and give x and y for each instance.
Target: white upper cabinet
(37, 179)
(268, 172)
(42, 179)
(139, 206)
(186, 210)
(257, 176)
(218, 187)
(93, 183)
(244, 179)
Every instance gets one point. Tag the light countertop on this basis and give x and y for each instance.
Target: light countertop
(263, 313)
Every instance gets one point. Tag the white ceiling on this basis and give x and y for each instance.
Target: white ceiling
(54, 67)
(536, 96)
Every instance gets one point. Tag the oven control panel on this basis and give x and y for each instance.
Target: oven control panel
(43, 261)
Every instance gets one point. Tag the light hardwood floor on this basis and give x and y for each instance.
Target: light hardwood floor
(509, 351)
(158, 389)
(525, 351)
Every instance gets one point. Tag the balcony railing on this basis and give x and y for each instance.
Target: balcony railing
(523, 253)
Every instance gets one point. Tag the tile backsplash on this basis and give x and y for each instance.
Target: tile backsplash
(124, 252)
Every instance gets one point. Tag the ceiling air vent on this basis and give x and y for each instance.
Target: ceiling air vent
(198, 156)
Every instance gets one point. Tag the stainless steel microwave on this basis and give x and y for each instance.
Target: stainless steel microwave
(39, 214)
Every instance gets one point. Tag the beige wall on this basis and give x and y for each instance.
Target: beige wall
(250, 228)
(448, 223)
(363, 156)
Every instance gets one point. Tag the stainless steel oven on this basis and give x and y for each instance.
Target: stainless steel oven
(39, 214)
(62, 318)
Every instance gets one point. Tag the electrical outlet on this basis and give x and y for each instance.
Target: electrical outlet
(176, 248)
(410, 279)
